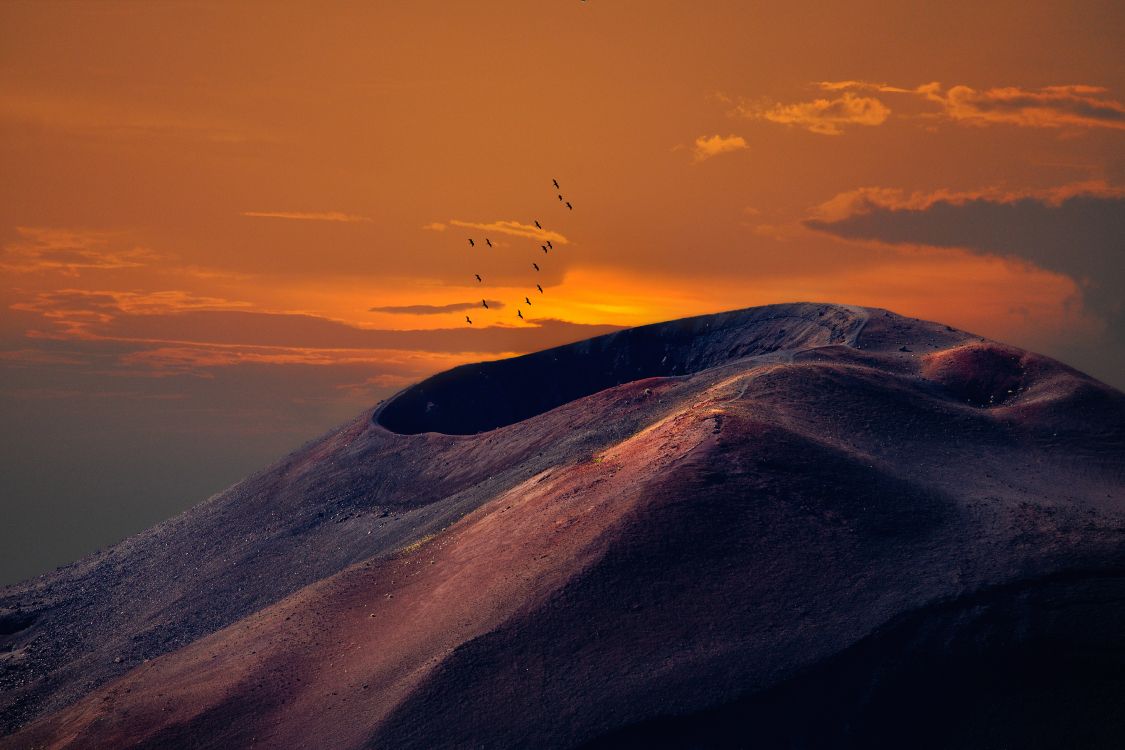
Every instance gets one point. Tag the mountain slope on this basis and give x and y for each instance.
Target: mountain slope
(654, 534)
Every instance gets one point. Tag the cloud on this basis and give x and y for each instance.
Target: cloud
(76, 312)
(824, 116)
(514, 229)
(1076, 106)
(1048, 107)
(69, 251)
(435, 309)
(71, 319)
(435, 226)
(860, 86)
(708, 146)
(75, 252)
(337, 216)
(867, 199)
(310, 331)
(1075, 230)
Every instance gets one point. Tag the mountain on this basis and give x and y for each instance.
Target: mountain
(803, 525)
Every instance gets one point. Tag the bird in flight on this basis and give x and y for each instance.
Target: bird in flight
(538, 225)
(550, 246)
(560, 196)
(536, 266)
(527, 300)
(471, 243)
(488, 241)
(544, 248)
(520, 314)
(478, 277)
(569, 206)
(539, 288)
(485, 303)
(556, 184)
(468, 320)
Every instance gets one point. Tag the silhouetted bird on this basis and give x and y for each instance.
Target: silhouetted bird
(485, 303)
(478, 277)
(539, 288)
(536, 265)
(538, 225)
(544, 248)
(520, 314)
(471, 243)
(556, 184)
(560, 197)
(569, 206)
(549, 245)
(527, 300)
(468, 320)
(488, 241)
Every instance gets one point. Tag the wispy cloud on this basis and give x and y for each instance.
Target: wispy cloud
(1076, 106)
(868, 199)
(1048, 107)
(435, 226)
(178, 319)
(709, 146)
(338, 216)
(861, 85)
(70, 251)
(434, 309)
(822, 115)
(75, 312)
(514, 229)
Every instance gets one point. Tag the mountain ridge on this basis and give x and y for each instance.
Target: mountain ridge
(782, 404)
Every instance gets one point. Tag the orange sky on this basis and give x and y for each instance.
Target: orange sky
(202, 202)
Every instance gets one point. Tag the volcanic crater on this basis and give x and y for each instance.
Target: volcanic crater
(479, 397)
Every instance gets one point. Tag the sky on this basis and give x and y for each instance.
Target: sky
(226, 227)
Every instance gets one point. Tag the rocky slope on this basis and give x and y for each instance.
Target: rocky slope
(805, 525)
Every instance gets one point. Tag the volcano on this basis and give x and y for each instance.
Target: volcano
(802, 525)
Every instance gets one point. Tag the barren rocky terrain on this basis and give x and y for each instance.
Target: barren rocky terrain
(804, 525)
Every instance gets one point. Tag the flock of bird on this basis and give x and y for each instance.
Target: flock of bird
(546, 248)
